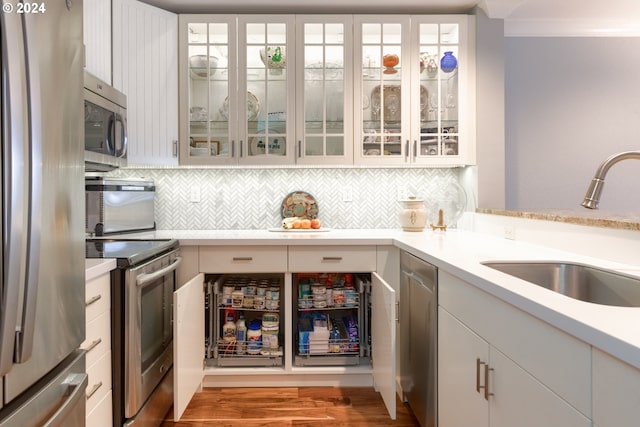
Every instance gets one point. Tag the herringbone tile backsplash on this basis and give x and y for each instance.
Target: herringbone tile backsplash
(251, 198)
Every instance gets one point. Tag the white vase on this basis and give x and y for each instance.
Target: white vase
(413, 214)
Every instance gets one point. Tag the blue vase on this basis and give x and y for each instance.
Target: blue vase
(448, 63)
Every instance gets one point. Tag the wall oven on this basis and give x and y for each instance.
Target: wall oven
(105, 126)
(142, 326)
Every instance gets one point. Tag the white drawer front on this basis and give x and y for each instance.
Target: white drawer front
(99, 381)
(235, 259)
(102, 414)
(98, 338)
(98, 296)
(558, 360)
(356, 259)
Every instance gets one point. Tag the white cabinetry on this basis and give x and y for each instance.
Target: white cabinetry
(505, 367)
(253, 94)
(97, 38)
(286, 261)
(98, 348)
(364, 89)
(145, 68)
(412, 109)
(616, 391)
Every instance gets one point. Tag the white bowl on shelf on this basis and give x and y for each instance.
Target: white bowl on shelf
(199, 63)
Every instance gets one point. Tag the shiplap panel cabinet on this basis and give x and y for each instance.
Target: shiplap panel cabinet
(145, 68)
(97, 38)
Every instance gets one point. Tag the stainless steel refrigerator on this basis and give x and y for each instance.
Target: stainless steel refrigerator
(42, 321)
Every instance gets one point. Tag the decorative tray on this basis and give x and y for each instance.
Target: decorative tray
(299, 230)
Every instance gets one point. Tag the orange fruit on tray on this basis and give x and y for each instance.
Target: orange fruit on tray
(305, 223)
(315, 223)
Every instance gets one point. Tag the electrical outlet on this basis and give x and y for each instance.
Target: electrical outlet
(509, 232)
(347, 194)
(194, 194)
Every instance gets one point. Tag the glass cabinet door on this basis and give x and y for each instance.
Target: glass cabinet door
(439, 61)
(383, 81)
(210, 87)
(267, 89)
(324, 90)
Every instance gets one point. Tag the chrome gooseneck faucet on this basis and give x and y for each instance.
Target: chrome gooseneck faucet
(592, 198)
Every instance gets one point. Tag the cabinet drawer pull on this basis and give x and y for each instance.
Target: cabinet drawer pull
(93, 390)
(243, 258)
(93, 345)
(92, 300)
(486, 382)
(331, 258)
(485, 387)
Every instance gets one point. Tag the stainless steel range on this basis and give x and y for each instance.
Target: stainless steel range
(142, 288)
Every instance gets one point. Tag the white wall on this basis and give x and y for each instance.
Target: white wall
(570, 103)
(490, 111)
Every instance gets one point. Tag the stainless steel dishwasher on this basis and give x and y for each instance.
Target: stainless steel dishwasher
(419, 337)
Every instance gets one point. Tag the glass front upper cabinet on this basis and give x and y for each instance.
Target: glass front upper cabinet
(440, 116)
(267, 88)
(324, 120)
(410, 74)
(208, 78)
(383, 81)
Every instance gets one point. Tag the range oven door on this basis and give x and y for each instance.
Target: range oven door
(148, 330)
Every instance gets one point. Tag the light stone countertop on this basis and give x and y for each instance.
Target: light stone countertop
(588, 217)
(97, 267)
(612, 329)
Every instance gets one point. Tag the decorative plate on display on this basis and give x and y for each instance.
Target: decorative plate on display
(300, 204)
(452, 199)
(253, 107)
(277, 146)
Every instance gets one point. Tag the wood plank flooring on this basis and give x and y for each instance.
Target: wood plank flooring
(291, 406)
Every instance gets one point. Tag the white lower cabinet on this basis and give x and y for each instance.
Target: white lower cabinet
(98, 351)
(484, 379)
(616, 392)
(292, 369)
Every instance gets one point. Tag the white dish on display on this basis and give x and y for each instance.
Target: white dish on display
(253, 107)
(452, 200)
(277, 145)
(198, 65)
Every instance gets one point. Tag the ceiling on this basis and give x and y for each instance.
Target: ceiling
(522, 17)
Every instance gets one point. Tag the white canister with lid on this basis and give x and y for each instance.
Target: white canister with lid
(413, 214)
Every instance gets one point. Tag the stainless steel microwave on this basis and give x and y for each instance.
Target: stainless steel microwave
(105, 126)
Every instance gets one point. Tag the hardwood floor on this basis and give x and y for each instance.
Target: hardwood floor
(291, 406)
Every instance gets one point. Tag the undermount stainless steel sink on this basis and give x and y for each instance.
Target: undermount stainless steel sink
(577, 281)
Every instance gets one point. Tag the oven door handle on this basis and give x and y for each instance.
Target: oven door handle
(144, 279)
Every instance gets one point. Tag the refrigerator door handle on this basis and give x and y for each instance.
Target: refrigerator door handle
(76, 385)
(14, 181)
(26, 329)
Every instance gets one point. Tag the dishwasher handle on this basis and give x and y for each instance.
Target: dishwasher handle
(429, 284)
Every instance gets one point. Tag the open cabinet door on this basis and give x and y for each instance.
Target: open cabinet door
(383, 341)
(188, 343)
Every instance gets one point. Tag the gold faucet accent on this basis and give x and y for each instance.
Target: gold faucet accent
(440, 225)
